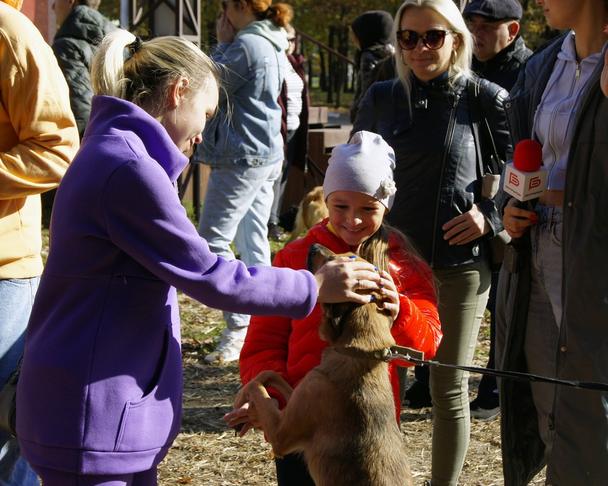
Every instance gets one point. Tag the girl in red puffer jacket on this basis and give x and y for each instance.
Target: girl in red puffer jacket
(359, 191)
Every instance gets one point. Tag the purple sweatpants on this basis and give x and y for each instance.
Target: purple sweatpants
(52, 477)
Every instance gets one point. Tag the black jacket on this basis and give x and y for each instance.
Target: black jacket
(74, 45)
(503, 68)
(579, 417)
(372, 67)
(436, 167)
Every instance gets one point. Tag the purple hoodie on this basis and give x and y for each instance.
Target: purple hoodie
(100, 389)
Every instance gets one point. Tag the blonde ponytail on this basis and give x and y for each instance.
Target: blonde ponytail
(141, 72)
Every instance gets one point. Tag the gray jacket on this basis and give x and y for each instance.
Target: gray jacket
(74, 45)
(579, 418)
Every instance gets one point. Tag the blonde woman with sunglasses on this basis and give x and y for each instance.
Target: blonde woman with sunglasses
(425, 115)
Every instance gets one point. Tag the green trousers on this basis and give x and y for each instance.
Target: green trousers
(463, 294)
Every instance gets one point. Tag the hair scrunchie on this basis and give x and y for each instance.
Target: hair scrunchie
(132, 48)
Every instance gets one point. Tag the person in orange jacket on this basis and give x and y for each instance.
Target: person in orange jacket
(38, 139)
(359, 191)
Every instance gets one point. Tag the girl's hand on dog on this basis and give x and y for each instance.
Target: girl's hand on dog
(339, 279)
(390, 294)
(242, 419)
(244, 416)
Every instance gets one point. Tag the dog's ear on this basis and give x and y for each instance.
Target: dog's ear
(332, 325)
(318, 256)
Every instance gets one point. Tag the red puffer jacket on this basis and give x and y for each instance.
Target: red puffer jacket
(293, 347)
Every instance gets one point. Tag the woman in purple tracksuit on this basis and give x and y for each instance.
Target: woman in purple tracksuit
(99, 397)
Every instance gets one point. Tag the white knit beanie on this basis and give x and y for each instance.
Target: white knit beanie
(364, 164)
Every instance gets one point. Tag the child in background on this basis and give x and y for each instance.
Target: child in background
(372, 33)
(359, 191)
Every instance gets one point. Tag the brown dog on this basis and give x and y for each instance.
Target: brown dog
(311, 210)
(341, 416)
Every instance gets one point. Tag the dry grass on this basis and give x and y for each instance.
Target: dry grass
(208, 454)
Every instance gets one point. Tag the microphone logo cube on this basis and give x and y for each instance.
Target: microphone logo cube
(534, 182)
(524, 186)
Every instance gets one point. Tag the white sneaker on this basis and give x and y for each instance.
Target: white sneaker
(229, 347)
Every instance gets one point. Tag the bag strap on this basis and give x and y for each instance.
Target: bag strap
(478, 118)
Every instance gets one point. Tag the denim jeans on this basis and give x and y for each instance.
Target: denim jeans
(544, 312)
(463, 294)
(237, 207)
(16, 300)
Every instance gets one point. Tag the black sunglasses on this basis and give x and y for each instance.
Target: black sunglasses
(433, 39)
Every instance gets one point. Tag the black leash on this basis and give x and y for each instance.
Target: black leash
(417, 357)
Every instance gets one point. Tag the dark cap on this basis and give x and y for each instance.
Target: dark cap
(494, 9)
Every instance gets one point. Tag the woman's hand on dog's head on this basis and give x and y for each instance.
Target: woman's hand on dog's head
(340, 280)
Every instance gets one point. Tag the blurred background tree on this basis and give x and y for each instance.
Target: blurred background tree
(111, 9)
(535, 30)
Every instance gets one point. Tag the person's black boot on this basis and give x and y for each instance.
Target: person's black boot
(275, 232)
(485, 408)
(418, 395)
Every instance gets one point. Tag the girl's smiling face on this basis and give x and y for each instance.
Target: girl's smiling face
(354, 216)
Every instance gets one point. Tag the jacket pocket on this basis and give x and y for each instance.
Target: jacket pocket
(153, 420)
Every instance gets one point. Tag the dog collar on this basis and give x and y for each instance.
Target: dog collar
(384, 354)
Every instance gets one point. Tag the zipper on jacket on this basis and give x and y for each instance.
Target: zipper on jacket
(448, 142)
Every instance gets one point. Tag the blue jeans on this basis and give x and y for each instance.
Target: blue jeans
(544, 313)
(237, 207)
(16, 300)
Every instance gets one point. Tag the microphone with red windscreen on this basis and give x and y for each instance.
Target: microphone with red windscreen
(526, 178)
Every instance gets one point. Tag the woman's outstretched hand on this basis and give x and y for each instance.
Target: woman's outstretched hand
(340, 279)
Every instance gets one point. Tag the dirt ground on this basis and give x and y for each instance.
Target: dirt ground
(206, 453)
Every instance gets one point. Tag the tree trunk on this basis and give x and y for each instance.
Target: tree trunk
(331, 68)
(322, 71)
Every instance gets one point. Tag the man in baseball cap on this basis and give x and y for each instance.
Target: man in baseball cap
(499, 50)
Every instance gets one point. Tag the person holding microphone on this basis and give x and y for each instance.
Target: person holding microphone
(553, 307)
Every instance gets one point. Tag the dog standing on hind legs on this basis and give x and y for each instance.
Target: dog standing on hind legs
(341, 416)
